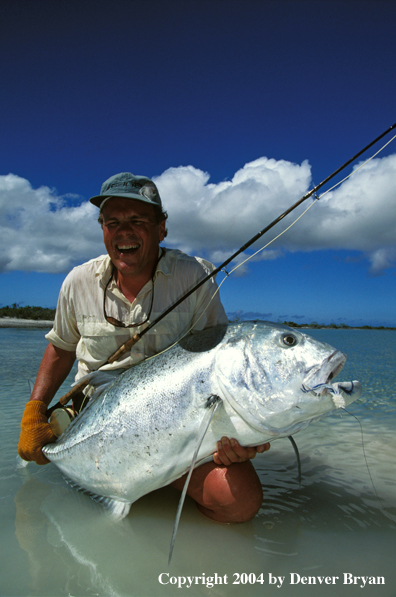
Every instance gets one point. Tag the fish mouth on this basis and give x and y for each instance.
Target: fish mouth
(317, 382)
(323, 373)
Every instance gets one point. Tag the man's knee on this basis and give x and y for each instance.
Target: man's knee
(232, 493)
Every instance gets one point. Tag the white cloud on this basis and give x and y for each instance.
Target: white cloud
(41, 232)
(47, 233)
(360, 214)
(222, 217)
(382, 259)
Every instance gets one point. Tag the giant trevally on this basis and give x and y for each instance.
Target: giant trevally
(141, 432)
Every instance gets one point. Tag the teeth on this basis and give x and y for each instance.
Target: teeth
(121, 247)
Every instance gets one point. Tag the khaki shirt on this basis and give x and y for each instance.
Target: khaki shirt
(80, 324)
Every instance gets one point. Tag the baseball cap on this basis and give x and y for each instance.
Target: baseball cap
(126, 184)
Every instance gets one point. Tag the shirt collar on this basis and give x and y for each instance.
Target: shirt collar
(104, 269)
(163, 265)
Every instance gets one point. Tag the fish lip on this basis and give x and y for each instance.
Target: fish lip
(325, 372)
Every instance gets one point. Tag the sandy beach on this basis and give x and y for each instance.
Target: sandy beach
(13, 322)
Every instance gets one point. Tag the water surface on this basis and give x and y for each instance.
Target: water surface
(341, 519)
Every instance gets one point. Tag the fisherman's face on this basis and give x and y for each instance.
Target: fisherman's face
(132, 236)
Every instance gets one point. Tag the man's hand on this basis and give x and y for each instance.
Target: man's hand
(35, 432)
(35, 429)
(230, 451)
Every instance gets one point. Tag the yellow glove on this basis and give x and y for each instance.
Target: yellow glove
(35, 432)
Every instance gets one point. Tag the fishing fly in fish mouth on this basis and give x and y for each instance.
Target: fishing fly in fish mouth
(213, 397)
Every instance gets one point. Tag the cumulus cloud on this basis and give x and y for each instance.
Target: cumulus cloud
(47, 233)
(358, 215)
(219, 218)
(43, 232)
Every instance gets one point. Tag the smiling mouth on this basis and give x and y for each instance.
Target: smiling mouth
(127, 249)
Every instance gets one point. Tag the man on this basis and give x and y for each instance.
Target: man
(105, 301)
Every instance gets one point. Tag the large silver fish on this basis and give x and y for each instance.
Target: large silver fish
(140, 434)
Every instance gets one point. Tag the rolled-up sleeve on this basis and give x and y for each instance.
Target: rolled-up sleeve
(64, 333)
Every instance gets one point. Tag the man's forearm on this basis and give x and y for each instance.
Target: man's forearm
(55, 367)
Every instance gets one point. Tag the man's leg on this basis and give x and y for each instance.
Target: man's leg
(225, 493)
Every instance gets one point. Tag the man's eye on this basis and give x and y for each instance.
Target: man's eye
(141, 222)
(137, 223)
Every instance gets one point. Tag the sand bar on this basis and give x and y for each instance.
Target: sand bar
(14, 322)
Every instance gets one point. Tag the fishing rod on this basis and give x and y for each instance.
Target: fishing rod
(132, 341)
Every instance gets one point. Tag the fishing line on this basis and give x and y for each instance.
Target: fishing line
(128, 345)
(212, 404)
(227, 274)
(317, 198)
(356, 169)
(313, 191)
(367, 465)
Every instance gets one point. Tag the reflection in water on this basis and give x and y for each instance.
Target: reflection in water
(87, 553)
(323, 526)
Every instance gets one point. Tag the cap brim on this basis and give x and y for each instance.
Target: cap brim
(98, 200)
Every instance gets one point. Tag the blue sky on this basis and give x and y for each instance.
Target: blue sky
(236, 108)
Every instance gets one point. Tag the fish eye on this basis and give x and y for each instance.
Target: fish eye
(289, 340)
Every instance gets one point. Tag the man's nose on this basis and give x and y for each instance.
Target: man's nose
(125, 227)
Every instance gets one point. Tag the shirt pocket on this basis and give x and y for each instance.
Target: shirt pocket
(100, 339)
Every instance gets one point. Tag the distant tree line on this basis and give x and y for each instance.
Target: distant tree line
(43, 313)
(36, 313)
(318, 326)
(341, 326)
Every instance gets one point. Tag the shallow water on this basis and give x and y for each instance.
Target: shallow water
(341, 520)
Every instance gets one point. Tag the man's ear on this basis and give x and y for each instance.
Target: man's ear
(162, 230)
